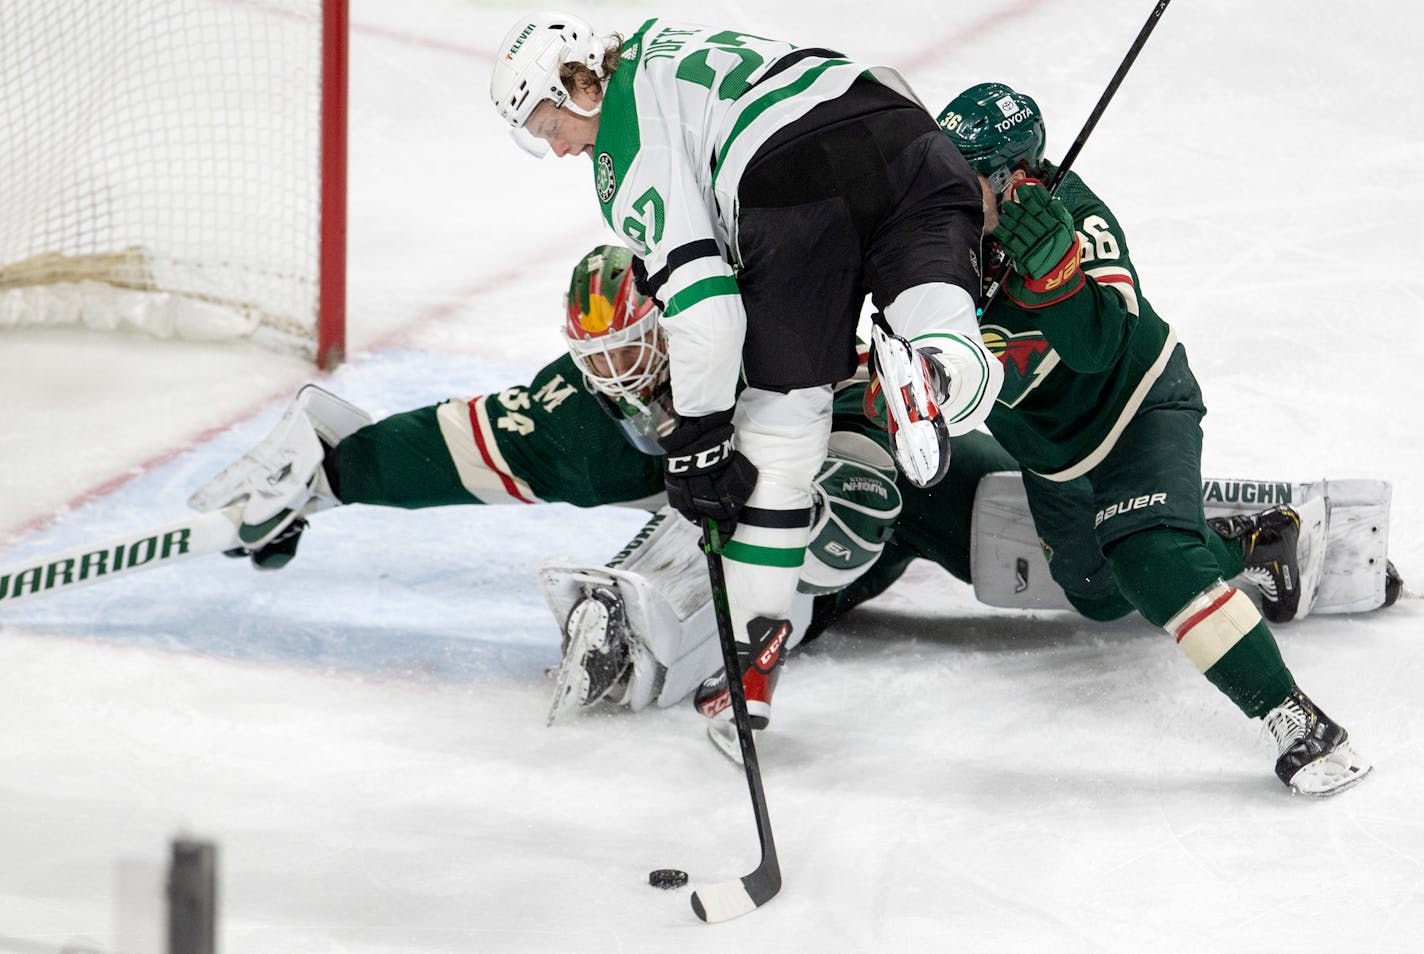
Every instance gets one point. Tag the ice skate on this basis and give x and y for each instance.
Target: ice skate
(913, 385)
(1393, 583)
(596, 652)
(714, 701)
(1284, 553)
(760, 660)
(1314, 754)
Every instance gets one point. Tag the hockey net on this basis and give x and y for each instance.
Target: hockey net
(175, 167)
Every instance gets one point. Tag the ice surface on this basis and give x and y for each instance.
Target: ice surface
(363, 733)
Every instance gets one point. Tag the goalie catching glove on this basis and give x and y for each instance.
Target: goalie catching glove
(284, 478)
(705, 476)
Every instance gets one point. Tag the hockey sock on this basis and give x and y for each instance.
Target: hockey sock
(1224, 635)
(1174, 580)
(1101, 608)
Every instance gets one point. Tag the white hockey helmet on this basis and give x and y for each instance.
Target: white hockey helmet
(526, 68)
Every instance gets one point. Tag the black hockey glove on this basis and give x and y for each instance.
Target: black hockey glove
(705, 476)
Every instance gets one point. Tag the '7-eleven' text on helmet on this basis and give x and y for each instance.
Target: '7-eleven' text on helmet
(526, 68)
(995, 129)
(612, 331)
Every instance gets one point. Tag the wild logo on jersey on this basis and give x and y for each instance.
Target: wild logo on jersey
(1027, 358)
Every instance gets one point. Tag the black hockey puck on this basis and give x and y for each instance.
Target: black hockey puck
(667, 878)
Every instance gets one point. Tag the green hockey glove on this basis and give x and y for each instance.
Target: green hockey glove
(1035, 229)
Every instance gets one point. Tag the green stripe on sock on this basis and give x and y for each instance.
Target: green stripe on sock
(764, 556)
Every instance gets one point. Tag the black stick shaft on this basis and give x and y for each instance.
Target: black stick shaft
(768, 871)
(1086, 131)
(1108, 93)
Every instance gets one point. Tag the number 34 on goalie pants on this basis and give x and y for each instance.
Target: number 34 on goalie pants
(196, 535)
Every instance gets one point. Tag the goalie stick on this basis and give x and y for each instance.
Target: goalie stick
(1072, 154)
(192, 536)
(730, 899)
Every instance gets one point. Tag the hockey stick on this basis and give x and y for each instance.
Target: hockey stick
(730, 899)
(197, 535)
(1072, 154)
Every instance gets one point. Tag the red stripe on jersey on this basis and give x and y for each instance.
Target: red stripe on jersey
(510, 487)
(1198, 617)
(1114, 280)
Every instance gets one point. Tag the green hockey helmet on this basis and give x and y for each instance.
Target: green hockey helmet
(995, 129)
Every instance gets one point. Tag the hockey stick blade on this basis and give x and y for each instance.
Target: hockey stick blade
(730, 899)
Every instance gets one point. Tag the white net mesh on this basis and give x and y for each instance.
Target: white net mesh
(161, 166)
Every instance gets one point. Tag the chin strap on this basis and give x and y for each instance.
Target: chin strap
(573, 107)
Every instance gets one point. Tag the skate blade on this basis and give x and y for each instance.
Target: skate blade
(570, 686)
(1331, 774)
(723, 734)
(922, 453)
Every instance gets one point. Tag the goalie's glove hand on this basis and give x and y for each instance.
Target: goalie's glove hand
(1036, 229)
(705, 476)
(277, 552)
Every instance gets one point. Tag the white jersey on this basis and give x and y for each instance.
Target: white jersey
(684, 113)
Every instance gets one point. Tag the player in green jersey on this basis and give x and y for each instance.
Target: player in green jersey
(585, 431)
(1101, 409)
(768, 187)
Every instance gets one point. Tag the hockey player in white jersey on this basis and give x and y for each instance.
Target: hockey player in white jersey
(767, 187)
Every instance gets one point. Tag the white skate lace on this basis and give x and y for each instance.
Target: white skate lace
(1263, 580)
(1286, 723)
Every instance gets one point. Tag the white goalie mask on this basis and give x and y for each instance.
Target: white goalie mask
(613, 336)
(526, 69)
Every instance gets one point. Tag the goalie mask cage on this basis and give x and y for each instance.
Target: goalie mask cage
(176, 167)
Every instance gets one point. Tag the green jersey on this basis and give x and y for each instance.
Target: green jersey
(550, 441)
(1076, 370)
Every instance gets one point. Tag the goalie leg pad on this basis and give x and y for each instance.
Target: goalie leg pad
(661, 579)
(1009, 569)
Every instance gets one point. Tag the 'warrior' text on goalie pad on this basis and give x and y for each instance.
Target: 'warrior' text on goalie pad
(1009, 568)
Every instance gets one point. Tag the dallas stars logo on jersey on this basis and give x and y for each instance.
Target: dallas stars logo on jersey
(603, 178)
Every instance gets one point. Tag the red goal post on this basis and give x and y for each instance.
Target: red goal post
(176, 167)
